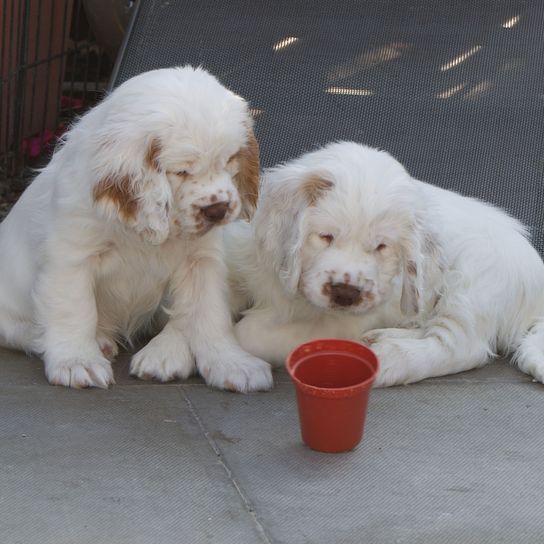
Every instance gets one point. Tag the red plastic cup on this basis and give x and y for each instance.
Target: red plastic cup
(332, 379)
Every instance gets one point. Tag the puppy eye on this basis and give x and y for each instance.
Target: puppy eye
(380, 247)
(182, 173)
(327, 238)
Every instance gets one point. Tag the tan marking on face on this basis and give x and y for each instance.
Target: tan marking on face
(118, 191)
(326, 289)
(313, 188)
(152, 156)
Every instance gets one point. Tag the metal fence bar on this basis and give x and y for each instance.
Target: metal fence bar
(9, 125)
(4, 109)
(48, 82)
(29, 77)
(35, 68)
(75, 52)
(86, 73)
(24, 17)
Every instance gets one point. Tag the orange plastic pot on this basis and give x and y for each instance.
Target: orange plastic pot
(332, 379)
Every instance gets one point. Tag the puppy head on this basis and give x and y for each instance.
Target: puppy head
(175, 154)
(340, 226)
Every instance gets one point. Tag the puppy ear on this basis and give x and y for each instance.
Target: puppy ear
(248, 177)
(416, 248)
(116, 191)
(280, 221)
(137, 192)
(409, 301)
(313, 187)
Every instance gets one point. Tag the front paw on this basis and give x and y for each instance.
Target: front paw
(236, 370)
(163, 359)
(80, 372)
(392, 361)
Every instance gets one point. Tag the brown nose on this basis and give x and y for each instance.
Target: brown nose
(343, 294)
(215, 212)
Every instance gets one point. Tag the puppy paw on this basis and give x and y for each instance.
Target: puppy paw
(409, 360)
(237, 371)
(392, 359)
(164, 358)
(80, 372)
(533, 368)
(108, 346)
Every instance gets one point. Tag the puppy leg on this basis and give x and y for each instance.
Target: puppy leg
(167, 355)
(262, 334)
(67, 316)
(199, 326)
(220, 359)
(265, 334)
(201, 309)
(449, 344)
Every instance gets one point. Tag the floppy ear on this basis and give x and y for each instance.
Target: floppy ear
(286, 195)
(134, 189)
(412, 270)
(409, 301)
(248, 177)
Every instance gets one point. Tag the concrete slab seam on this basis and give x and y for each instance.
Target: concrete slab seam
(213, 445)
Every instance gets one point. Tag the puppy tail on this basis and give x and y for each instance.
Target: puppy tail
(529, 356)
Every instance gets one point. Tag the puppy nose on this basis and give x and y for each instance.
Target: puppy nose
(343, 294)
(215, 212)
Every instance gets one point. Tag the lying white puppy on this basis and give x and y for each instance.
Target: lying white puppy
(123, 215)
(346, 244)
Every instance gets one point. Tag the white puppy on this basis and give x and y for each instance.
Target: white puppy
(123, 216)
(346, 244)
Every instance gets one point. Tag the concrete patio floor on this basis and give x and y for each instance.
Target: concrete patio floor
(457, 459)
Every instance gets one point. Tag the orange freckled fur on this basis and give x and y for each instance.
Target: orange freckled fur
(152, 155)
(313, 187)
(118, 191)
(248, 176)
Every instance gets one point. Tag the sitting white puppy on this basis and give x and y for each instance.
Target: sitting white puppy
(346, 244)
(123, 216)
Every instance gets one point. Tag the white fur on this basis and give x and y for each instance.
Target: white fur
(454, 283)
(78, 275)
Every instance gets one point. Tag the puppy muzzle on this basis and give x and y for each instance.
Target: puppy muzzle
(343, 294)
